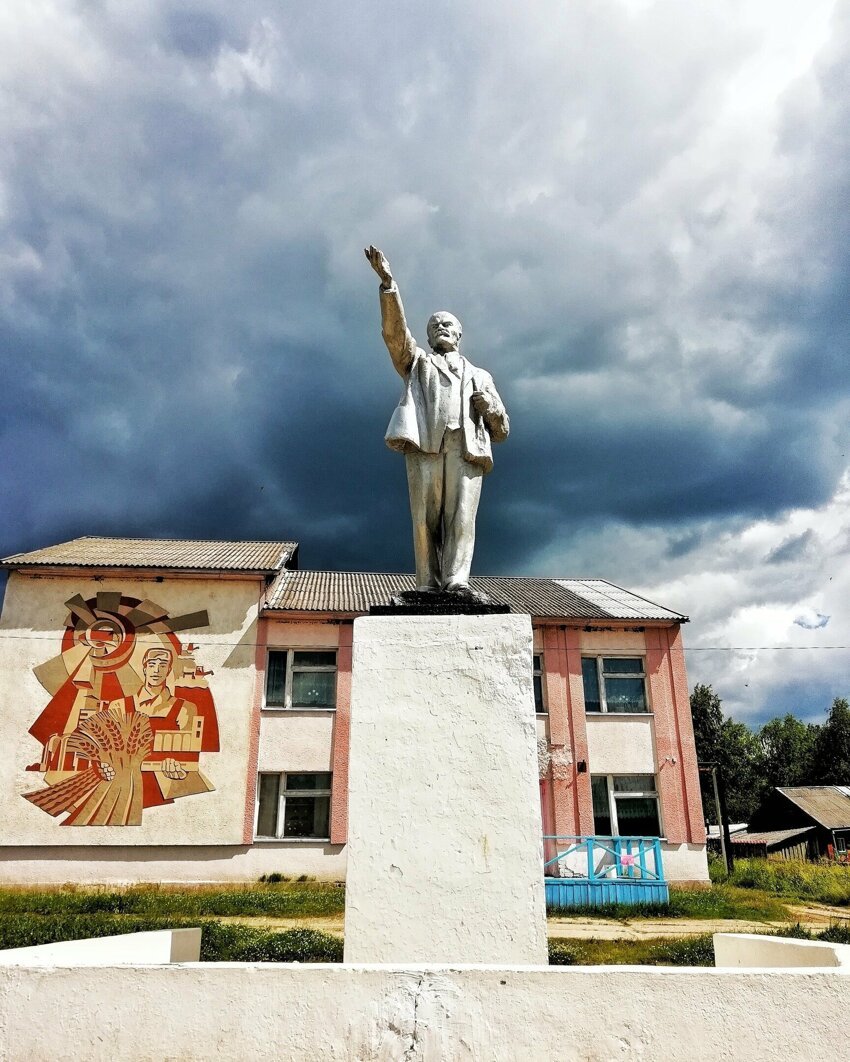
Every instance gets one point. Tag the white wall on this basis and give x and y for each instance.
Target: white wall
(123, 866)
(296, 740)
(620, 744)
(156, 946)
(685, 862)
(751, 950)
(421, 1014)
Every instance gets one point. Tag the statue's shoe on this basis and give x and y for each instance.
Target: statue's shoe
(464, 592)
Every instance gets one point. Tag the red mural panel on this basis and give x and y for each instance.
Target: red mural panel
(129, 716)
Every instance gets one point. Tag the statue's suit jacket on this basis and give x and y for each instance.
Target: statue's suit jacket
(419, 421)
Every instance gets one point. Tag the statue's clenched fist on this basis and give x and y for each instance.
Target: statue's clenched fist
(107, 771)
(379, 263)
(481, 403)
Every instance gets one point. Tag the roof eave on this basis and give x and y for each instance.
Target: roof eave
(134, 569)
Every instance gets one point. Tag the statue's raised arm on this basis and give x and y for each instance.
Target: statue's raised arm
(400, 343)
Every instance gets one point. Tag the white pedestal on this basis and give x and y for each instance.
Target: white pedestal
(444, 838)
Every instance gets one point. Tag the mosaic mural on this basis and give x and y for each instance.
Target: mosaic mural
(129, 716)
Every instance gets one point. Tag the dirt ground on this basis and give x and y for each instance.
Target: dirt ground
(814, 916)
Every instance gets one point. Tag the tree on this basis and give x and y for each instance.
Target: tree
(707, 715)
(736, 751)
(832, 746)
(741, 763)
(788, 745)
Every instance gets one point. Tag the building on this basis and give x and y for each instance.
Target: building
(179, 711)
(821, 811)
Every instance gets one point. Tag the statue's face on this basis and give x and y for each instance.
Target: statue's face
(444, 332)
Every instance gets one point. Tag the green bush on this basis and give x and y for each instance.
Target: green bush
(838, 933)
(684, 951)
(563, 953)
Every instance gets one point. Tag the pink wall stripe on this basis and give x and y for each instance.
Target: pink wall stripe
(262, 627)
(342, 726)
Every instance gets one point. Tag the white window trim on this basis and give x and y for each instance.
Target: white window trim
(541, 671)
(287, 706)
(613, 797)
(282, 794)
(600, 678)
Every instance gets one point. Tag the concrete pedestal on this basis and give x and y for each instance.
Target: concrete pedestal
(444, 841)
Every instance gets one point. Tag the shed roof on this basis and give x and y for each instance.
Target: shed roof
(769, 838)
(172, 554)
(355, 592)
(828, 805)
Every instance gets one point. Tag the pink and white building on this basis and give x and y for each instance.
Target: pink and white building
(179, 711)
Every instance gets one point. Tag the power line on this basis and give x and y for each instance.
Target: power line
(210, 643)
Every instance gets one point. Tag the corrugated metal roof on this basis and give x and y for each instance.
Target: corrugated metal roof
(615, 599)
(769, 837)
(355, 592)
(826, 804)
(173, 554)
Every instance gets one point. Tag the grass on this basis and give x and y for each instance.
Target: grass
(651, 951)
(278, 899)
(827, 883)
(717, 902)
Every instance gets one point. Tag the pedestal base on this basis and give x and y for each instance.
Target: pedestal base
(444, 844)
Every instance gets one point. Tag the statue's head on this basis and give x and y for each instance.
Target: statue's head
(444, 331)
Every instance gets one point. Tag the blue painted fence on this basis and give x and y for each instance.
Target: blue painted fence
(597, 871)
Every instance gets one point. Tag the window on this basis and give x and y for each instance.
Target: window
(539, 703)
(301, 678)
(294, 806)
(625, 805)
(614, 684)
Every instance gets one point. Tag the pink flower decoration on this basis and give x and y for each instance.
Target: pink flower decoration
(627, 860)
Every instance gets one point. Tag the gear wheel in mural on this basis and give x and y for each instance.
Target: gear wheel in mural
(129, 716)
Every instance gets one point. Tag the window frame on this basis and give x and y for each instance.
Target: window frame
(601, 675)
(282, 793)
(613, 796)
(290, 652)
(538, 669)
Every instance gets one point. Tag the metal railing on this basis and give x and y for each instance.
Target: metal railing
(594, 858)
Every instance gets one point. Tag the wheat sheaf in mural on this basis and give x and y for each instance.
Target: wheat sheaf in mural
(129, 716)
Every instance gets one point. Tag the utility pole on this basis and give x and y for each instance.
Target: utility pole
(722, 815)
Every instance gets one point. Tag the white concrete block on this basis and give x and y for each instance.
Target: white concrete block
(312, 1013)
(128, 949)
(757, 952)
(444, 843)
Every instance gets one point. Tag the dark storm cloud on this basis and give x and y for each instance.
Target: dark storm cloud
(192, 333)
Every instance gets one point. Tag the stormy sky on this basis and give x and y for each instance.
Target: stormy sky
(639, 210)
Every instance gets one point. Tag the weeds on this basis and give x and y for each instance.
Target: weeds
(657, 951)
(827, 883)
(278, 899)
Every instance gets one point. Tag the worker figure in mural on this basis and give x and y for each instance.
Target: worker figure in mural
(130, 714)
(448, 416)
